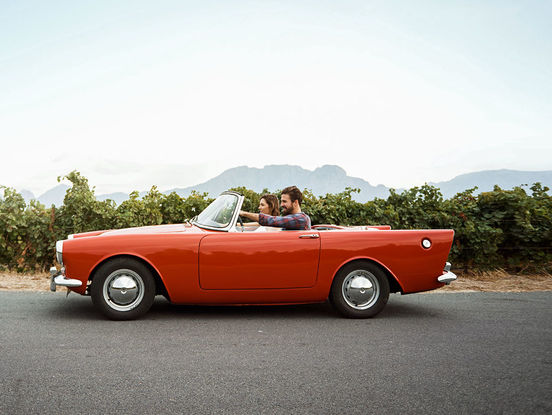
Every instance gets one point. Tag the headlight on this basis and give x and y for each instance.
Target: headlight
(59, 251)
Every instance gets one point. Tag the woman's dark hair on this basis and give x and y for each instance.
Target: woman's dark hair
(272, 202)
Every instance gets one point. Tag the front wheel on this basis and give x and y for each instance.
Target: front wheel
(360, 290)
(123, 289)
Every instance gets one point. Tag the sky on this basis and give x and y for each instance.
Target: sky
(172, 93)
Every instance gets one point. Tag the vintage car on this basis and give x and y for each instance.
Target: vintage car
(217, 259)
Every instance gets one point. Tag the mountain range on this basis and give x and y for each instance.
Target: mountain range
(325, 179)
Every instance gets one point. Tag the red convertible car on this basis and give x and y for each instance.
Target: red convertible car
(216, 259)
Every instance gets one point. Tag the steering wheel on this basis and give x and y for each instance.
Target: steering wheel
(241, 223)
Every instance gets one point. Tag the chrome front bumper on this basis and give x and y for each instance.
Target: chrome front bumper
(448, 276)
(58, 278)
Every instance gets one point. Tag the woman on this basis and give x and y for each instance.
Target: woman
(269, 205)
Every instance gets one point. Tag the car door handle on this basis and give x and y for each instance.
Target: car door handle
(309, 236)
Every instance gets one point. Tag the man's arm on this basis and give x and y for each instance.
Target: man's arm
(290, 222)
(248, 215)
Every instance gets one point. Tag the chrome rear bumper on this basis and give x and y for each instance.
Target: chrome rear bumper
(448, 276)
(58, 278)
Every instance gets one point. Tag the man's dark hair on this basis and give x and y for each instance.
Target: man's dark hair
(294, 193)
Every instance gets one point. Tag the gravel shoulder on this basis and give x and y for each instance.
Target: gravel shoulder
(495, 281)
(499, 281)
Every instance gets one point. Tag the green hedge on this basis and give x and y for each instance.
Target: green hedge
(500, 229)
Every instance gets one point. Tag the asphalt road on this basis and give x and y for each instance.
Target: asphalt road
(437, 353)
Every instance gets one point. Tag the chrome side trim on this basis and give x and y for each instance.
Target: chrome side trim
(447, 278)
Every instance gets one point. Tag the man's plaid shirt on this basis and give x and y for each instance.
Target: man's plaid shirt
(297, 221)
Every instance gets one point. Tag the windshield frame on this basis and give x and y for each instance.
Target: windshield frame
(232, 224)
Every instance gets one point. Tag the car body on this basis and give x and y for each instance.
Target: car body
(216, 259)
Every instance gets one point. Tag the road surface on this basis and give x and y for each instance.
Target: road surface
(439, 353)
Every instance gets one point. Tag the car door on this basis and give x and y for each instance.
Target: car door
(248, 261)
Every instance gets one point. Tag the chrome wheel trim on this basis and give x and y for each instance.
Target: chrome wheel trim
(360, 289)
(123, 290)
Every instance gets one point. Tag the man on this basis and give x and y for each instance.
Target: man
(292, 219)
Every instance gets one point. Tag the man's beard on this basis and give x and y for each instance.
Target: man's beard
(286, 211)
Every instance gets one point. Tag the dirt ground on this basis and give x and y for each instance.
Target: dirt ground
(484, 281)
(500, 281)
(24, 282)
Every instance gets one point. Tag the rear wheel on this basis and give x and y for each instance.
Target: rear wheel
(360, 290)
(123, 289)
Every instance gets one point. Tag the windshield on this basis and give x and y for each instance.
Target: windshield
(219, 213)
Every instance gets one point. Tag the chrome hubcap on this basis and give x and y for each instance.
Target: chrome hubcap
(360, 289)
(123, 289)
